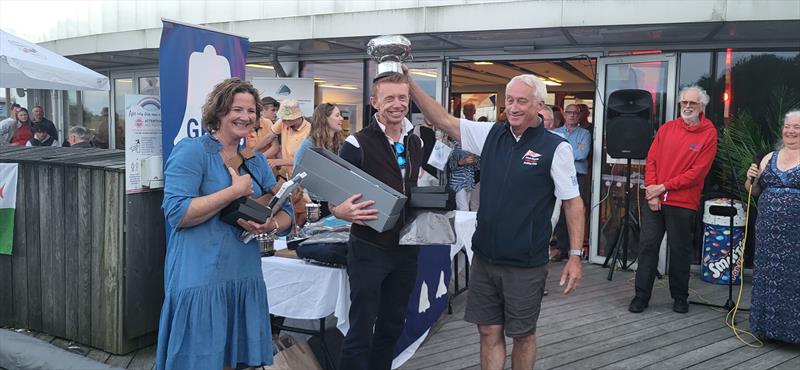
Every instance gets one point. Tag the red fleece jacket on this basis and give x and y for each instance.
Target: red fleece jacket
(680, 158)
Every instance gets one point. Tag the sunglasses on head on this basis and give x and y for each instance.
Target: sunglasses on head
(400, 151)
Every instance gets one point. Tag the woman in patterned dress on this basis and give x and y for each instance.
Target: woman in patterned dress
(775, 302)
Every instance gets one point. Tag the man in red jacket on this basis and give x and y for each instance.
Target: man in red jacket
(677, 163)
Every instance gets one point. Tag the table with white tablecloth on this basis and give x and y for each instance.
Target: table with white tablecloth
(300, 290)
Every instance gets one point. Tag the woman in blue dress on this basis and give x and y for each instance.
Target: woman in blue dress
(775, 302)
(215, 313)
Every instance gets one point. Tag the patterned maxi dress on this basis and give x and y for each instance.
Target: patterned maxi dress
(775, 302)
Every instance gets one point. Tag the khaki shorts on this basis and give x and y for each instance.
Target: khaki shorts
(505, 295)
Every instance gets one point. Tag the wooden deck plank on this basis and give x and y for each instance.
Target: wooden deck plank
(143, 359)
(98, 355)
(593, 315)
(566, 352)
(618, 354)
(120, 361)
(770, 359)
(792, 364)
(465, 352)
(593, 329)
(589, 329)
(735, 357)
(660, 355)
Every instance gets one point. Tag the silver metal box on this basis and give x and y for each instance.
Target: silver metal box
(334, 180)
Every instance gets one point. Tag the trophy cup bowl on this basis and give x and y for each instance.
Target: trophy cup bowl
(390, 52)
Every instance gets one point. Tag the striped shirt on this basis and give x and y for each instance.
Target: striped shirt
(461, 177)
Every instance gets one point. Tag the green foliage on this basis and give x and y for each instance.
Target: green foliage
(748, 138)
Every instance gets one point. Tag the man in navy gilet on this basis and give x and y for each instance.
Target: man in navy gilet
(524, 168)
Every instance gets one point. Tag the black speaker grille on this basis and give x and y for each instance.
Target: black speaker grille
(628, 137)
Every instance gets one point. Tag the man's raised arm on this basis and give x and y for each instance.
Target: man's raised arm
(433, 111)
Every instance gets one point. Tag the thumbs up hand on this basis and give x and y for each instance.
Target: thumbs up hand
(241, 184)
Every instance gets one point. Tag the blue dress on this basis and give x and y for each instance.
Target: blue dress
(775, 302)
(215, 310)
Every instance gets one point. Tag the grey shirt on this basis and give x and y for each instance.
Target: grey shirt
(7, 127)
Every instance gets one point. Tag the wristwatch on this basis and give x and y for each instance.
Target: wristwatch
(576, 252)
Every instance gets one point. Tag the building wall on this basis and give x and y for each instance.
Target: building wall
(114, 25)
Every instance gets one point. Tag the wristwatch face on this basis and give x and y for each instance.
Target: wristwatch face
(573, 252)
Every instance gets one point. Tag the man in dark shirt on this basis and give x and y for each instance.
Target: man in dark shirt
(80, 137)
(382, 273)
(38, 119)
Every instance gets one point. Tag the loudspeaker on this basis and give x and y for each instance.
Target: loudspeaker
(629, 127)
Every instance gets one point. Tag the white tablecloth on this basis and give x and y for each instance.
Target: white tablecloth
(465, 224)
(300, 290)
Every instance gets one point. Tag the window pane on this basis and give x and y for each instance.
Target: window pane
(695, 69)
(122, 87)
(150, 86)
(339, 83)
(749, 81)
(258, 70)
(19, 96)
(74, 110)
(95, 115)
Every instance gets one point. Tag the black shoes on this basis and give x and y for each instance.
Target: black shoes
(680, 305)
(637, 305)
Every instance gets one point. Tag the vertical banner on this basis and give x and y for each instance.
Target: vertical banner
(8, 202)
(143, 161)
(192, 60)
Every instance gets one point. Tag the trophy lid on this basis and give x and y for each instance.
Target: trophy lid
(391, 47)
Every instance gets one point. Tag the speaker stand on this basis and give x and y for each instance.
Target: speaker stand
(621, 244)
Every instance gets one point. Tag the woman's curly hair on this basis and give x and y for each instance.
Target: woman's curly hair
(220, 100)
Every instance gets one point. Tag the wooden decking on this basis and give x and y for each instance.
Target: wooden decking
(588, 329)
(592, 329)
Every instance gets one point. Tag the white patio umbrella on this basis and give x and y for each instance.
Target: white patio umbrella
(26, 65)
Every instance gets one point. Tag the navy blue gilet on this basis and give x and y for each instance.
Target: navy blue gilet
(517, 197)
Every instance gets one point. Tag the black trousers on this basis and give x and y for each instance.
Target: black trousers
(381, 282)
(679, 225)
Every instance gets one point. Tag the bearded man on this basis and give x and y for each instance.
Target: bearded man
(677, 163)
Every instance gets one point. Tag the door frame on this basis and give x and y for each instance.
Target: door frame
(597, 145)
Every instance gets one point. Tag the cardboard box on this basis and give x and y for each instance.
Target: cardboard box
(334, 179)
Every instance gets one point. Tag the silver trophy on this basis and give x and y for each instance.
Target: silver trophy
(390, 52)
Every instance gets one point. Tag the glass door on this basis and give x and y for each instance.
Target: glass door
(653, 73)
(429, 78)
(140, 82)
